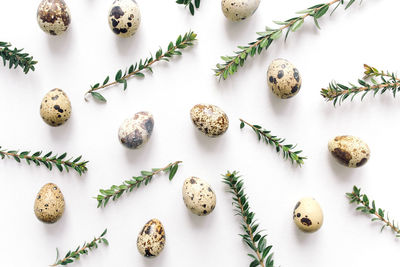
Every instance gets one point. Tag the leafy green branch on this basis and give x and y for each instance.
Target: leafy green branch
(16, 58)
(190, 4)
(116, 191)
(338, 92)
(367, 207)
(288, 150)
(79, 251)
(265, 39)
(48, 160)
(252, 236)
(136, 70)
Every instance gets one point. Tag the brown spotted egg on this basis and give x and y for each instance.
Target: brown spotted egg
(124, 17)
(236, 10)
(135, 132)
(49, 203)
(198, 196)
(151, 240)
(53, 16)
(283, 78)
(55, 108)
(209, 119)
(308, 215)
(349, 150)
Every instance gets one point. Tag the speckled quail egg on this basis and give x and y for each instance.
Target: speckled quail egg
(198, 196)
(151, 240)
(55, 108)
(136, 131)
(308, 215)
(283, 78)
(53, 16)
(349, 150)
(49, 203)
(236, 10)
(124, 17)
(209, 119)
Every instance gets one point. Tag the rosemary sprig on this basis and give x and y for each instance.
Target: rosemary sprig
(16, 58)
(47, 160)
(136, 70)
(288, 150)
(190, 4)
(365, 207)
(338, 92)
(252, 237)
(76, 254)
(116, 191)
(265, 39)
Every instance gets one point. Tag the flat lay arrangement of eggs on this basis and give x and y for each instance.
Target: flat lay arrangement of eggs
(209, 122)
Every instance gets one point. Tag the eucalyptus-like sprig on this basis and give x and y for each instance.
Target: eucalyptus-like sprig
(388, 81)
(116, 191)
(253, 237)
(16, 58)
(265, 39)
(136, 70)
(75, 255)
(190, 4)
(288, 150)
(48, 160)
(367, 207)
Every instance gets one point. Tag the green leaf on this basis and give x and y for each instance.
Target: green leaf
(118, 75)
(276, 35)
(98, 96)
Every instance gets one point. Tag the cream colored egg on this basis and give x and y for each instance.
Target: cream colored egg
(53, 16)
(151, 240)
(283, 78)
(124, 17)
(237, 10)
(198, 196)
(209, 119)
(49, 203)
(349, 150)
(55, 108)
(308, 215)
(136, 131)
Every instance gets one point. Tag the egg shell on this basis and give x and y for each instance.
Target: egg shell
(237, 10)
(135, 132)
(308, 215)
(198, 196)
(124, 17)
(53, 16)
(151, 240)
(209, 119)
(349, 150)
(283, 78)
(49, 203)
(55, 108)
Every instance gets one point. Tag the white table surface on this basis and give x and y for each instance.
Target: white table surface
(89, 51)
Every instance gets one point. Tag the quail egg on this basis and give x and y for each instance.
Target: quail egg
(136, 131)
(53, 16)
(151, 240)
(49, 203)
(55, 108)
(283, 78)
(209, 119)
(236, 10)
(198, 196)
(349, 150)
(307, 215)
(124, 17)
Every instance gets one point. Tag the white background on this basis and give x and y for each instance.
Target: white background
(89, 51)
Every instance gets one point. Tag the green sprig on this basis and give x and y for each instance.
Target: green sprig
(48, 160)
(115, 191)
(288, 150)
(368, 207)
(72, 256)
(253, 237)
(136, 70)
(16, 58)
(338, 93)
(190, 4)
(265, 39)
